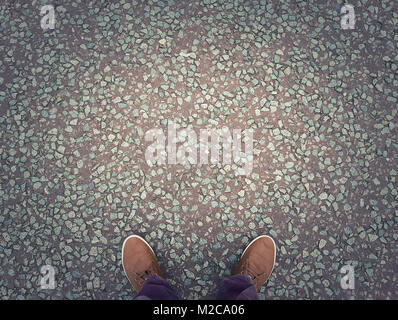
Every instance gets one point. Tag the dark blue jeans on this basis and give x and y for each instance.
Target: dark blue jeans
(238, 287)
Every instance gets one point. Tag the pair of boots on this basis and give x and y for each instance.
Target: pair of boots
(140, 263)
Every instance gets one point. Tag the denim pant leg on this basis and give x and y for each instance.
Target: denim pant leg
(156, 288)
(237, 287)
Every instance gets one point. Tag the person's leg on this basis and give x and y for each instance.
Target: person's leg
(143, 271)
(156, 288)
(237, 287)
(253, 270)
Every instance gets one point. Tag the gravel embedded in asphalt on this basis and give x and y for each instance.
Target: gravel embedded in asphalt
(77, 100)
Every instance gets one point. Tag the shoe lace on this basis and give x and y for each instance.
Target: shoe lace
(140, 277)
(248, 271)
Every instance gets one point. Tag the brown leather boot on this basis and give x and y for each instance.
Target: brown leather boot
(258, 260)
(139, 261)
